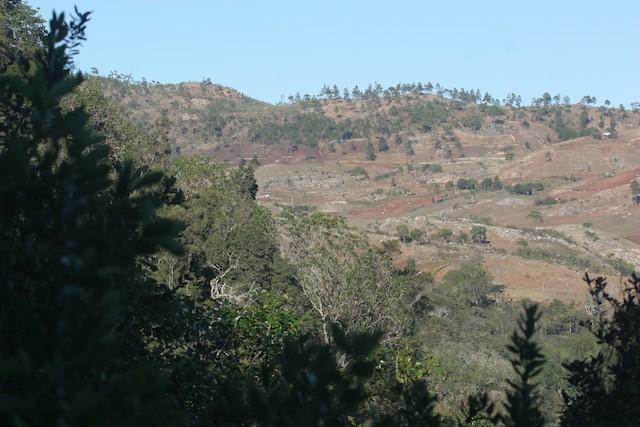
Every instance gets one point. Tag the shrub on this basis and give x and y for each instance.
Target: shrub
(359, 171)
(547, 201)
(444, 234)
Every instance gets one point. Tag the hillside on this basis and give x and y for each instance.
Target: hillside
(397, 156)
(184, 255)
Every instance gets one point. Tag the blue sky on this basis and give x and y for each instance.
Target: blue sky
(268, 49)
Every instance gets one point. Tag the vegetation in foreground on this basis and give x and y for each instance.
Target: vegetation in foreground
(139, 290)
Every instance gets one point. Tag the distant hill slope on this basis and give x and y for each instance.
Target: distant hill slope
(432, 162)
(221, 122)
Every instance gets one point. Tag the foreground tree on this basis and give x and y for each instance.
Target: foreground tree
(520, 408)
(22, 37)
(606, 388)
(71, 227)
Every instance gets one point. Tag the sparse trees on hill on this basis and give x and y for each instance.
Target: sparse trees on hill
(371, 155)
(382, 144)
(536, 216)
(409, 149)
(466, 184)
(403, 233)
(584, 118)
(479, 233)
(513, 100)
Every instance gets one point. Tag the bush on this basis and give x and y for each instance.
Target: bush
(547, 201)
(359, 171)
(473, 284)
(527, 188)
(431, 168)
(466, 184)
(444, 234)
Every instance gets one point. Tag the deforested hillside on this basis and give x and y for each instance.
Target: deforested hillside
(209, 118)
(551, 180)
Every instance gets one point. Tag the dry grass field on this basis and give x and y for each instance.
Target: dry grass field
(589, 180)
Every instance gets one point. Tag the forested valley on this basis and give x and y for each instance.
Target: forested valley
(144, 287)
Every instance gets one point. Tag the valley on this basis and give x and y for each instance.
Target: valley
(396, 156)
(592, 215)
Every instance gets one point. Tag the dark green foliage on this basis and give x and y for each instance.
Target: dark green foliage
(108, 118)
(584, 119)
(486, 183)
(306, 128)
(561, 318)
(466, 184)
(497, 184)
(526, 188)
(228, 236)
(489, 184)
(527, 362)
(346, 280)
(371, 155)
(72, 225)
(216, 351)
(312, 389)
(22, 37)
(416, 406)
(605, 388)
(99, 328)
(382, 144)
(411, 268)
(473, 284)
(417, 236)
(409, 149)
(564, 132)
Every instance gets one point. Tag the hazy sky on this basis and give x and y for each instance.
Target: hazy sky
(266, 49)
